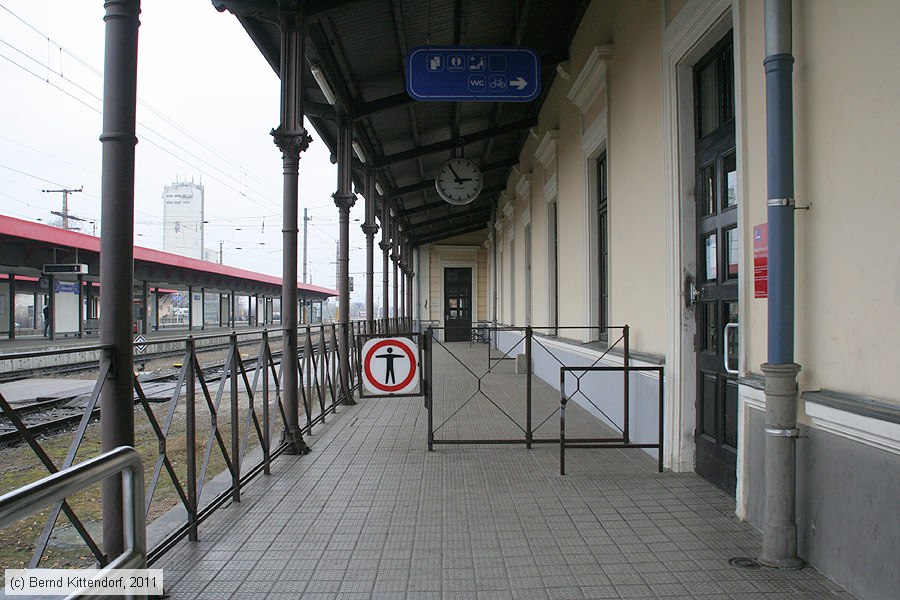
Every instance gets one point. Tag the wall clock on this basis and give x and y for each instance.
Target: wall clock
(458, 181)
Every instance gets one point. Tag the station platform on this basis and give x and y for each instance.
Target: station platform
(371, 514)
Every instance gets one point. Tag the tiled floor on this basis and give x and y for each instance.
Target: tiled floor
(370, 514)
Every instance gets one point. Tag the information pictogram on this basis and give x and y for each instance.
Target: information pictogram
(390, 366)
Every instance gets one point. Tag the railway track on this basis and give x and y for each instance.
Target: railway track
(50, 415)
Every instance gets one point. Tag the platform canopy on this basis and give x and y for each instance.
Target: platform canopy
(359, 48)
(26, 248)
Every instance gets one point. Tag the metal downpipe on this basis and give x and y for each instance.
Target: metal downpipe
(118, 142)
(780, 528)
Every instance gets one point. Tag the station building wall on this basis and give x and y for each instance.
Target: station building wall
(622, 92)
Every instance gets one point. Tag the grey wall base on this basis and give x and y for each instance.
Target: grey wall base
(848, 507)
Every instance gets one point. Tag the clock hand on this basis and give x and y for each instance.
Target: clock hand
(455, 175)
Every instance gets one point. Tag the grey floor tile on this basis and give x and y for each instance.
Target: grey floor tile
(370, 514)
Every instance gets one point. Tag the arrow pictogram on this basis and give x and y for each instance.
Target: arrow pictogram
(518, 83)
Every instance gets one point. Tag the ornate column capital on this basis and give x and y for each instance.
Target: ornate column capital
(291, 143)
(344, 201)
(369, 230)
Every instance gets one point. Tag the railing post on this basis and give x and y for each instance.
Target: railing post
(235, 425)
(307, 358)
(264, 373)
(661, 432)
(429, 395)
(562, 422)
(626, 359)
(323, 360)
(190, 434)
(529, 332)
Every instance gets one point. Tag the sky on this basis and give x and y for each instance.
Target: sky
(207, 100)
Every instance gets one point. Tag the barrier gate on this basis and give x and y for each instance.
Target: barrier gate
(491, 381)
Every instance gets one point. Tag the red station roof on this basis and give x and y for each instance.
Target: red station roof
(54, 236)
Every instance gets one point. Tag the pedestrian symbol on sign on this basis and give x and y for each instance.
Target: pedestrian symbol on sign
(390, 366)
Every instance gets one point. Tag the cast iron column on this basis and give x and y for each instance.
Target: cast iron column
(409, 288)
(402, 278)
(117, 248)
(395, 257)
(292, 139)
(344, 199)
(780, 527)
(370, 229)
(385, 246)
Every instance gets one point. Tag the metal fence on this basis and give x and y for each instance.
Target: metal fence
(525, 343)
(215, 409)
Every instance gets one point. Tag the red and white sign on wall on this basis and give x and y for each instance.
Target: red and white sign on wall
(761, 261)
(390, 366)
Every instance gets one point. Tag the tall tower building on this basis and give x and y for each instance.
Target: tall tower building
(183, 219)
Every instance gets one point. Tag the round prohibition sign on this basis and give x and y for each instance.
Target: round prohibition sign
(407, 354)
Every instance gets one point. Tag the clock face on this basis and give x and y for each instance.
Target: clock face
(458, 181)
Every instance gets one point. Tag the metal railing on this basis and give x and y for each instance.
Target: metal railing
(527, 344)
(55, 488)
(216, 410)
(616, 441)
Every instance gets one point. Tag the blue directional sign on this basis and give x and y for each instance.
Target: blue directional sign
(470, 74)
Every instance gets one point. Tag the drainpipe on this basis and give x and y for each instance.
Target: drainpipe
(780, 527)
(117, 250)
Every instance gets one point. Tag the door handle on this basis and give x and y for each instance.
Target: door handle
(728, 328)
(691, 292)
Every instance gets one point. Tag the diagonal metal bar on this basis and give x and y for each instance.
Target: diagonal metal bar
(162, 458)
(44, 538)
(215, 436)
(550, 416)
(477, 392)
(608, 418)
(161, 433)
(251, 405)
(51, 467)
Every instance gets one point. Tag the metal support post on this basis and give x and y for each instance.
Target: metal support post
(780, 528)
(344, 199)
(264, 373)
(395, 257)
(428, 343)
(12, 306)
(292, 139)
(626, 387)
(529, 333)
(409, 291)
(370, 229)
(190, 437)
(235, 419)
(117, 248)
(51, 304)
(145, 293)
(385, 246)
(563, 398)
